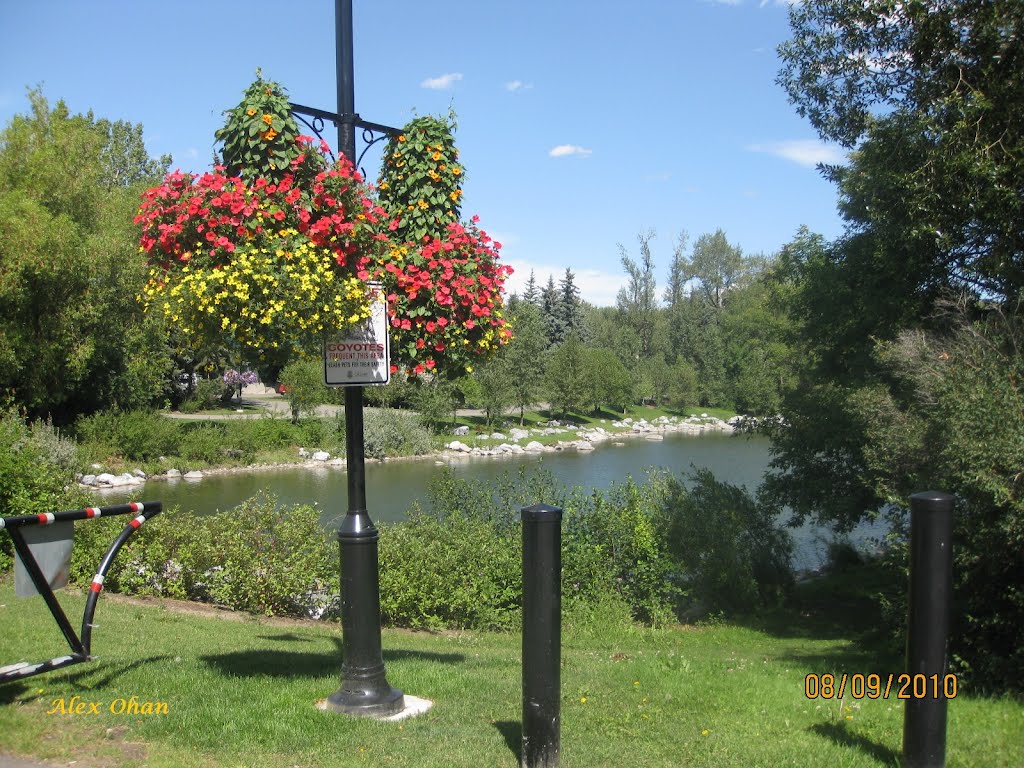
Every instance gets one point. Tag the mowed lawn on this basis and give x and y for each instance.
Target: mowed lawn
(241, 691)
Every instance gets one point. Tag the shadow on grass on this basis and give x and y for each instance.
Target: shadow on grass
(289, 637)
(844, 738)
(275, 663)
(843, 607)
(513, 735)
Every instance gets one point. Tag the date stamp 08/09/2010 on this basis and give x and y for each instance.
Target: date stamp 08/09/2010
(880, 686)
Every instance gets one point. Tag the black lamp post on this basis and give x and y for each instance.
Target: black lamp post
(364, 687)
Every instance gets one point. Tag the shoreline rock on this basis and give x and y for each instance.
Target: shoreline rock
(584, 440)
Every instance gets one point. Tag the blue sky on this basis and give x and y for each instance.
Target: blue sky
(581, 124)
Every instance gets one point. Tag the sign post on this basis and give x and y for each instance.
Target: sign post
(364, 687)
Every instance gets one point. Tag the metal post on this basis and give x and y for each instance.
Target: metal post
(542, 630)
(931, 587)
(364, 687)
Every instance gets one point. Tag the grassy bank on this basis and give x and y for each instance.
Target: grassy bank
(156, 442)
(242, 692)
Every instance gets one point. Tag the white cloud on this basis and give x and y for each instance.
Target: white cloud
(443, 82)
(564, 150)
(805, 152)
(597, 287)
(517, 85)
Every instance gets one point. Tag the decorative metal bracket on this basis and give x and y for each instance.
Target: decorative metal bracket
(315, 120)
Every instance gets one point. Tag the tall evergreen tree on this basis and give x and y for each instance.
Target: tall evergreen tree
(570, 306)
(532, 292)
(550, 302)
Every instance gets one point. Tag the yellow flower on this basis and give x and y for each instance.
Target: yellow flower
(401, 138)
(268, 119)
(250, 112)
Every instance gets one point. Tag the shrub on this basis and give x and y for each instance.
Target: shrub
(36, 474)
(203, 442)
(456, 572)
(734, 555)
(613, 536)
(208, 395)
(271, 432)
(393, 433)
(255, 558)
(134, 435)
(316, 433)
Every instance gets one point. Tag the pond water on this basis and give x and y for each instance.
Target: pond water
(393, 486)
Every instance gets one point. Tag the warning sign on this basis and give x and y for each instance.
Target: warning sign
(363, 356)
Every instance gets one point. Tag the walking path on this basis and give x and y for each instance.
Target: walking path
(10, 761)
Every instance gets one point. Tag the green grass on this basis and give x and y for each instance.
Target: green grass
(243, 693)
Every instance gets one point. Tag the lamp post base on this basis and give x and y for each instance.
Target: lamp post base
(378, 704)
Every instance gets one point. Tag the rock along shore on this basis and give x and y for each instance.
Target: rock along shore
(514, 441)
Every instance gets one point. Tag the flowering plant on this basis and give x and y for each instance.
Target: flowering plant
(444, 299)
(273, 251)
(268, 266)
(443, 278)
(237, 380)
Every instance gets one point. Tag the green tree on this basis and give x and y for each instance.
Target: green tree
(303, 381)
(550, 308)
(494, 387)
(570, 306)
(907, 327)
(524, 358)
(759, 360)
(72, 338)
(531, 293)
(568, 387)
(929, 93)
(637, 301)
(717, 265)
(435, 402)
(611, 384)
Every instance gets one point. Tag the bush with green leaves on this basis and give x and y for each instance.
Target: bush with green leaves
(455, 572)
(36, 474)
(645, 549)
(132, 435)
(393, 433)
(267, 432)
(257, 558)
(209, 394)
(733, 554)
(613, 544)
(203, 442)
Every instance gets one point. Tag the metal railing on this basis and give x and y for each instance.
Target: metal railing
(81, 645)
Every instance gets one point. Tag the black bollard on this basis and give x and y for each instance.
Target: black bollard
(931, 587)
(542, 635)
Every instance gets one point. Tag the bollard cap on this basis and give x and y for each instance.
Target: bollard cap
(932, 500)
(542, 513)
